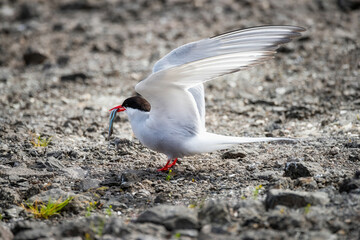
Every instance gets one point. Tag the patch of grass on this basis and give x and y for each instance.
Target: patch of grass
(178, 235)
(109, 211)
(256, 191)
(92, 207)
(169, 176)
(40, 141)
(1, 217)
(199, 204)
(307, 208)
(44, 211)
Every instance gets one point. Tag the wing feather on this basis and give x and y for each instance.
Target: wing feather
(173, 87)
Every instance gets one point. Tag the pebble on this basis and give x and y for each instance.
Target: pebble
(295, 199)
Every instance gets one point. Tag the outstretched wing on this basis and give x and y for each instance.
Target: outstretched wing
(168, 87)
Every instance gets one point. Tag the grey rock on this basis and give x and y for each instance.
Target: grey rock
(9, 195)
(5, 233)
(321, 235)
(284, 222)
(191, 233)
(52, 194)
(28, 230)
(233, 154)
(14, 212)
(171, 217)
(263, 234)
(115, 227)
(51, 164)
(87, 184)
(266, 175)
(214, 212)
(75, 172)
(307, 182)
(294, 199)
(22, 172)
(115, 204)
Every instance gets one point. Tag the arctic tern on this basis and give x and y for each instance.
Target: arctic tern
(169, 114)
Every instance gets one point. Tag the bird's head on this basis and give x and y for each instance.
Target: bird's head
(133, 103)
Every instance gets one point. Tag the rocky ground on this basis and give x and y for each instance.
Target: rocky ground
(63, 64)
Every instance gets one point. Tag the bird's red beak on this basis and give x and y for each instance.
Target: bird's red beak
(119, 108)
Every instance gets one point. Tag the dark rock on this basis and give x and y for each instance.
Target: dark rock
(5, 233)
(27, 11)
(171, 217)
(233, 154)
(354, 156)
(350, 185)
(73, 77)
(349, 5)
(214, 212)
(62, 61)
(296, 169)
(352, 145)
(57, 27)
(286, 222)
(294, 199)
(9, 195)
(33, 57)
(161, 198)
(82, 5)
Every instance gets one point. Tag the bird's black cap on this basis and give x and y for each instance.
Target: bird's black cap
(137, 102)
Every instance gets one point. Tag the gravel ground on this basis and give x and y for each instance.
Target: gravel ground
(63, 64)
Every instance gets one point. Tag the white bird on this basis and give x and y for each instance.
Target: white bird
(169, 116)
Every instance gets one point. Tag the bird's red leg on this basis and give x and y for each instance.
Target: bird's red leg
(167, 165)
(173, 163)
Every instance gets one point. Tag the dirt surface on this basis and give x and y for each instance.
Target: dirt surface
(63, 64)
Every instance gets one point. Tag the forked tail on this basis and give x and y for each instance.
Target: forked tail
(208, 142)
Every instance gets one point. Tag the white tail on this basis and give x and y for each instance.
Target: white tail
(208, 142)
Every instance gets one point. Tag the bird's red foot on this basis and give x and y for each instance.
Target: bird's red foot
(167, 165)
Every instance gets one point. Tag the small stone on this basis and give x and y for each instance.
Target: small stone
(233, 154)
(214, 212)
(14, 212)
(171, 217)
(295, 170)
(73, 77)
(161, 198)
(350, 185)
(27, 11)
(334, 151)
(294, 199)
(307, 182)
(87, 184)
(5, 233)
(33, 57)
(75, 172)
(52, 194)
